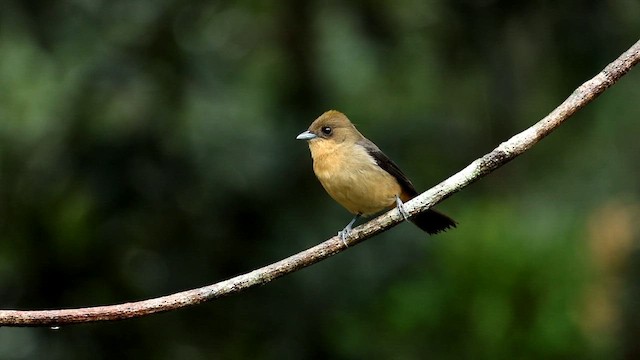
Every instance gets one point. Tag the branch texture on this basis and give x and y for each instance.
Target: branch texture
(504, 153)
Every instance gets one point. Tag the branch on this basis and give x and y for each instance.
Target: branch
(504, 153)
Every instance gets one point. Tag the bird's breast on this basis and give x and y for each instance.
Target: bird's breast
(353, 178)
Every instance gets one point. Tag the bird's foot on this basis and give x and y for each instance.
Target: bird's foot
(401, 209)
(347, 230)
(343, 235)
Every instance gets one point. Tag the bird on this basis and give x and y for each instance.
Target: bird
(359, 176)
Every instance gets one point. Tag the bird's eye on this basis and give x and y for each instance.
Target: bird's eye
(326, 130)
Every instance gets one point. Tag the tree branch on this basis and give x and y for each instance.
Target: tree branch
(504, 153)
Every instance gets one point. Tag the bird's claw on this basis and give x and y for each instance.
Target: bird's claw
(343, 236)
(401, 209)
(347, 230)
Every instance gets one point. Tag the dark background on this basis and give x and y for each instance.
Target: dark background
(148, 147)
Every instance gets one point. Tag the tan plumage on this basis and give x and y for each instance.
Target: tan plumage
(340, 166)
(358, 175)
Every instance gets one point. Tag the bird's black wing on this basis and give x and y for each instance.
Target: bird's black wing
(389, 166)
(431, 221)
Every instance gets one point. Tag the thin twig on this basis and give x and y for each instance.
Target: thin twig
(504, 153)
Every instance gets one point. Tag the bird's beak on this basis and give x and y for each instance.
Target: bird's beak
(307, 135)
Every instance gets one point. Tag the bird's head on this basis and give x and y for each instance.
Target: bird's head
(331, 127)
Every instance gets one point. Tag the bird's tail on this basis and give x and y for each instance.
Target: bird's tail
(433, 221)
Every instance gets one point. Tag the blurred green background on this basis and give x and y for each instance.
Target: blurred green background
(148, 147)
